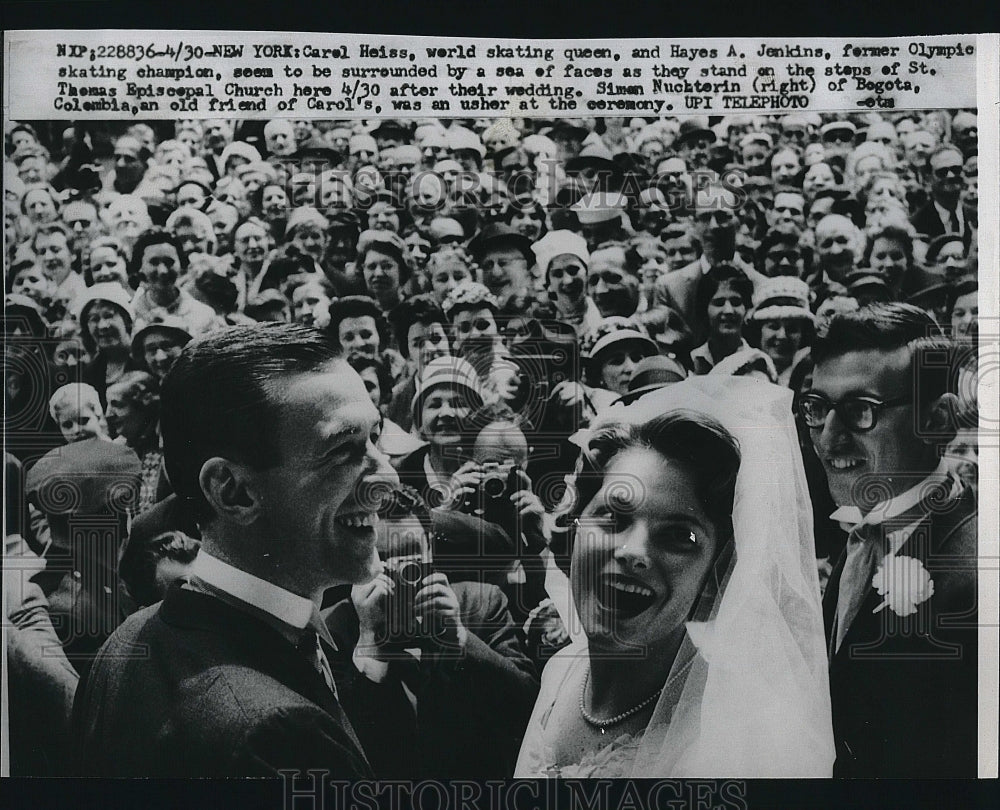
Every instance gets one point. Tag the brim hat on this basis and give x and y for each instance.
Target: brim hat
(460, 139)
(240, 149)
(257, 167)
(781, 298)
(695, 127)
(606, 342)
(838, 126)
(569, 128)
(170, 324)
(95, 474)
(108, 292)
(305, 215)
(20, 309)
(389, 127)
(596, 156)
(557, 243)
(496, 234)
(319, 149)
(599, 207)
(652, 373)
(454, 372)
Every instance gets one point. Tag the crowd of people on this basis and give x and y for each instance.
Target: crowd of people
(473, 343)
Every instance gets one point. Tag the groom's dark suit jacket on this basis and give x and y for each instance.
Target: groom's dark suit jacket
(904, 689)
(196, 687)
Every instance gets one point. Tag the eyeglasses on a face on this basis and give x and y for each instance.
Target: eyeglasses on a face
(859, 414)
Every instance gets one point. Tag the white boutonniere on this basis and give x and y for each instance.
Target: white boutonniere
(903, 583)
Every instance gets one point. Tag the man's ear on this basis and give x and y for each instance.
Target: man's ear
(939, 420)
(229, 488)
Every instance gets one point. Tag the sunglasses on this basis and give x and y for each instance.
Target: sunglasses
(947, 171)
(609, 277)
(571, 270)
(840, 137)
(720, 217)
(617, 358)
(480, 324)
(790, 256)
(859, 414)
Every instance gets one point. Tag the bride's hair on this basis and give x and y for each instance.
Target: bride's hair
(699, 442)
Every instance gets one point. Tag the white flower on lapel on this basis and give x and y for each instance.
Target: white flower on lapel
(903, 583)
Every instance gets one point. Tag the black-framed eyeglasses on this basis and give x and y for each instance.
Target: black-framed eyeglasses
(859, 414)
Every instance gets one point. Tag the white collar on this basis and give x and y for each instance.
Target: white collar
(945, 216)
(850, 516)
(287, 607)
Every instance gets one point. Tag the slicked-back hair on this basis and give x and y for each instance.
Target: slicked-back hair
(222, 398)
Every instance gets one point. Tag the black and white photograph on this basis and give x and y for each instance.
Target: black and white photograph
(450, 446)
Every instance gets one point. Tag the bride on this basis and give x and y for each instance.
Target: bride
(694, 583)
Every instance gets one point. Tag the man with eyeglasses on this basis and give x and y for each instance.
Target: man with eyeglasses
(900, 607)
(945, 212)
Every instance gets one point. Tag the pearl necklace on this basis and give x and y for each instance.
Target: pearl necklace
(618, 718)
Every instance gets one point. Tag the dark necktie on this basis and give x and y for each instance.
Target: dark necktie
(313, 651)
(864, 549)
(954, 226)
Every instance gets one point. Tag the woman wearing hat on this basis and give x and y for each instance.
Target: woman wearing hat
(615, 348)
(156, 345)
(781, 324)
(563, 259)
(106, 320)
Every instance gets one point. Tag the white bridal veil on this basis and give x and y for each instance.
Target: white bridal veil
(748, 694)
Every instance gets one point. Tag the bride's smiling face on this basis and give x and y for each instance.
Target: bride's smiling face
(643, 549)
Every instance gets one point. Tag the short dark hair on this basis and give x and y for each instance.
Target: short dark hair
(220, 398)
(361, 362)
(356, 306)
(422, 309)
(148, 238)
(891, 326)
(708, 286)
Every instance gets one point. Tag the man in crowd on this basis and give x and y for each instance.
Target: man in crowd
(901, 602)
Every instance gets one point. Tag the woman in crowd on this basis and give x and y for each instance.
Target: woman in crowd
(781, 324)
(106, 326)
(133, 417)
(615, 348)
(722, 298)
(382, 261)
(156, 345)
(695, 548)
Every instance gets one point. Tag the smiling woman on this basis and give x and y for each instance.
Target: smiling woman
(702, 652)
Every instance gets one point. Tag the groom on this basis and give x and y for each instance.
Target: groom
(900, 607)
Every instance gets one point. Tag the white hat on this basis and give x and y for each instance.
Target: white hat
(601, 206)
(556, 243)
(241, 149)
(446, 370)
(361, 143)
(781, 297)
(460, 138)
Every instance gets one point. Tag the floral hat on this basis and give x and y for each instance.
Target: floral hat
(469, 295)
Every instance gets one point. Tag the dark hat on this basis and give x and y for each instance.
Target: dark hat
(931, 295)
(86, 477)
(317, 148)
(24, 312)
(171, 324)
(392, 126)
(695, 127)
(569, 128)
(865, 281)
(652, 373)
(500, 234)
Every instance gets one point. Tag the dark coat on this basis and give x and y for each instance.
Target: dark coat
(904, 689)
(928, 222)
(193, 686)
(472, 708)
